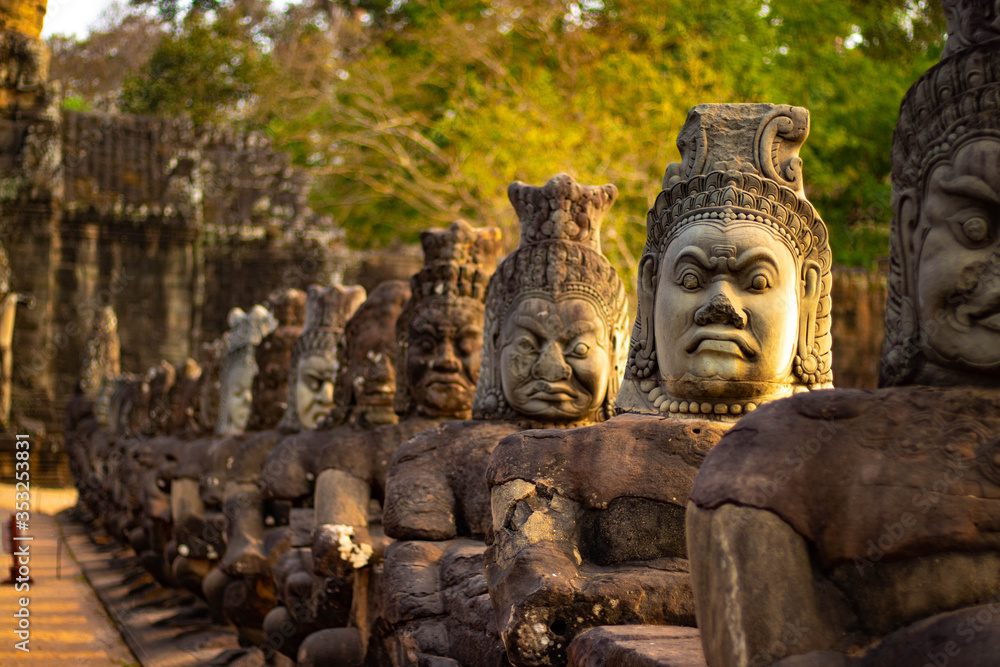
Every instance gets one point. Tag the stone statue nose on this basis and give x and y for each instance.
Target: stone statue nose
(325, 394)
(720, 310)
(446, 361)
(551, 366)
(381, 368)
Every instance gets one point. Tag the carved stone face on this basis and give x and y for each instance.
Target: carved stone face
(443, 355)
(727, 312)
(239, 394)
(958, 265)
(371, 352)
(314, 381)
(554, 358)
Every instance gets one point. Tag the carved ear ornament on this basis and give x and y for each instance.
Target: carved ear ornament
(809, 368)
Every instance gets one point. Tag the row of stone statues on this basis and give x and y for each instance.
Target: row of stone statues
(480, 468)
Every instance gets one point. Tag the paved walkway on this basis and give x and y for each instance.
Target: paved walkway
(163, 627)
(68, 626)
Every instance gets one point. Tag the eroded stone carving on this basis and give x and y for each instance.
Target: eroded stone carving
(542, 366)
(314, 358)
(102, 361)
(90, 406)
(556, 282)
(438, 341)
(731, 242)
(588, 523)
(315, 364)
(246, 330)
(970, 24)
(870, 517)
(199, 479)
(940, 321)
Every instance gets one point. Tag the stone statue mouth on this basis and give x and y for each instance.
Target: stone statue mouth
(445, 381)
(970, 315)
(552, 391)
(378, 395)
(732, 342)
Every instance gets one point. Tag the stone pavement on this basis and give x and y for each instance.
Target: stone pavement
(163, 627)
(90, 602)
(68, 626)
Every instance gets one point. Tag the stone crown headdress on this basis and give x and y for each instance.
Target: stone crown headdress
(559, 254)
(458, 264)
(327, 312)
(954, 101)
(458, 261)
(960, 93)
(247, 328)
(739, 163)
(246, 331)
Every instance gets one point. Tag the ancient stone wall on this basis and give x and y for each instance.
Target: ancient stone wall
(858, 312)
(169, 225)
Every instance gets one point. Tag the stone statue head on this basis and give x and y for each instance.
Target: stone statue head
(366, 356)
(183, 398)
(101, 362)
(439, 335)
(556, 312)
(970, 23)
(273, 357)
(246, 331)
(210, 361)
(124, 391)
(943, 312)
(735, 278)
(313, 369)
(160, 381)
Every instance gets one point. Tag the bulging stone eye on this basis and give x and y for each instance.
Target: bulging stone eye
(580, 350)
(975, 229)
(690, 281)
(759, 283)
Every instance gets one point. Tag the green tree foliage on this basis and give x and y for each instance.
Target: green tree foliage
(447, 102)
(89, 73)
(172, 10)
(413, 113)
(210, 68)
